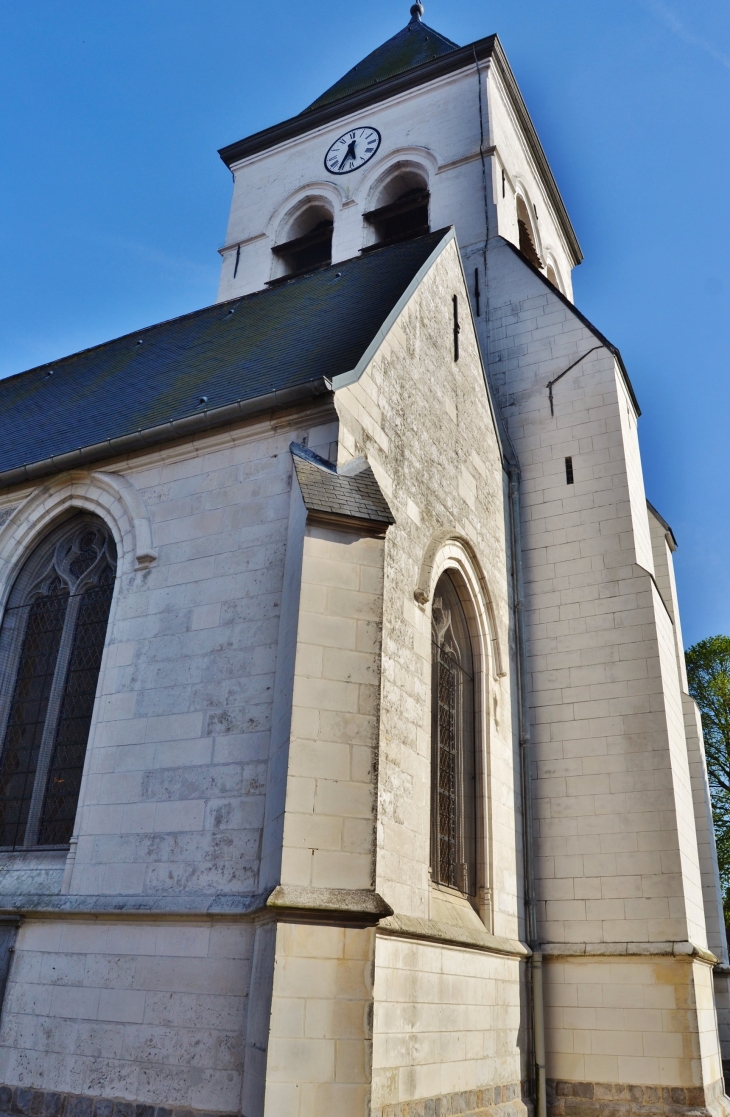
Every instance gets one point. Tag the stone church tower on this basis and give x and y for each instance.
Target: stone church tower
(347, 763)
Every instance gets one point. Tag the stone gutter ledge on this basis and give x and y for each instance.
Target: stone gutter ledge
(354, 903)
(628, 949)
(192, 905)
(412, 927)
(360, 904)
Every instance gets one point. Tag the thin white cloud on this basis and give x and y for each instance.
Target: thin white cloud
(677, 26)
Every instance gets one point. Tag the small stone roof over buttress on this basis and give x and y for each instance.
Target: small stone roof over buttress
(411, 47)
(350, 491)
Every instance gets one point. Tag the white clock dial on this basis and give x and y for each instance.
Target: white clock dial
(352, 151)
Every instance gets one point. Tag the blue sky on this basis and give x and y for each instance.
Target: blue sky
(113, 200)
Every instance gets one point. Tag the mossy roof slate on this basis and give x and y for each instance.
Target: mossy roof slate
(411, 47)
(268, 342)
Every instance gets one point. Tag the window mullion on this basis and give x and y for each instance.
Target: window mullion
(11, 646)
(49, 730)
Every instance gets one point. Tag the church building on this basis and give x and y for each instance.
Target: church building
(347, 761)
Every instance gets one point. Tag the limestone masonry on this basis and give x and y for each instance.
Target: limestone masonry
(348, 765)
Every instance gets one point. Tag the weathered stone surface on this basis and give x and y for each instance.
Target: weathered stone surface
(596, 1099)
(18, 1102)
(483, 1102)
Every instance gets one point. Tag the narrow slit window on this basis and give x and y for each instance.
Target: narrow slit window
(569, 470)
(477, 292)
(457, 327)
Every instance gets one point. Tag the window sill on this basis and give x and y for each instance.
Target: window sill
(449, 906)
(18, 851)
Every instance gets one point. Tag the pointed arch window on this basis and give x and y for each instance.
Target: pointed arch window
(453, 812)
(51, 644)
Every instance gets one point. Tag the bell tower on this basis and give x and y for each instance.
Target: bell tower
(421, 134)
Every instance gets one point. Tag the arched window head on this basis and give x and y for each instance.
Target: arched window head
(401, 210)
(453, 795)
(307, 242)
(51, 643)
(553, 276)
(527, 237)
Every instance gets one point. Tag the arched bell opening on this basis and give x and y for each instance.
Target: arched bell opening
(400, 211)
(527, 235)
(307, 242)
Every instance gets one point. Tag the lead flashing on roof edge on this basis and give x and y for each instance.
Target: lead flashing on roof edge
(168, 432)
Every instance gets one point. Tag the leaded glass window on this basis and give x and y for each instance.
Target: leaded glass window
(453, 831)
(51, 644)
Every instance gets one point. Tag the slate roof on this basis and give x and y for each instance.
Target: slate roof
(206, 368)
(411, 47)
(351, 491)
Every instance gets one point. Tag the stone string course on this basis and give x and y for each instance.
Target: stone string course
(489, 1101)
(609, 1099)
(20, 1101)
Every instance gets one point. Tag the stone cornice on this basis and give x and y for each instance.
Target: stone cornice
(686, 950)
(322, 904)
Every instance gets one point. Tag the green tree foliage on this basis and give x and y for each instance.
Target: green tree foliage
(708, 674)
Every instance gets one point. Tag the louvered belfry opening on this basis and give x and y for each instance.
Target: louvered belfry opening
(526, 236)
(527, 247)
(307, 252)
(453, 829)
(51, 644)
(402, 219)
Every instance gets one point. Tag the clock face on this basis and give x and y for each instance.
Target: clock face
(352, 151)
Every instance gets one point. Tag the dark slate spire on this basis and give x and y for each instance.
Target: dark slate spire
(412, 46)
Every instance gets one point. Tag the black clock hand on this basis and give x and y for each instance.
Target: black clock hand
(349, 154)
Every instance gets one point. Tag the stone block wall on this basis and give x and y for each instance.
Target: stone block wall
(618, 851)
(173, 799)
(425, 423)
(172, 806)
(320, 1040)
(446, 1022)
(147, 1012)
(634, 1020)
(329, 832)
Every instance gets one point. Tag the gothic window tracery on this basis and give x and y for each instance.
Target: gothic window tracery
(51, 644)
(453, 831)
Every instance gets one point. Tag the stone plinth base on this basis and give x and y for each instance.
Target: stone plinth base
(608, 1099)
(488, 1101)
(22, 1101)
